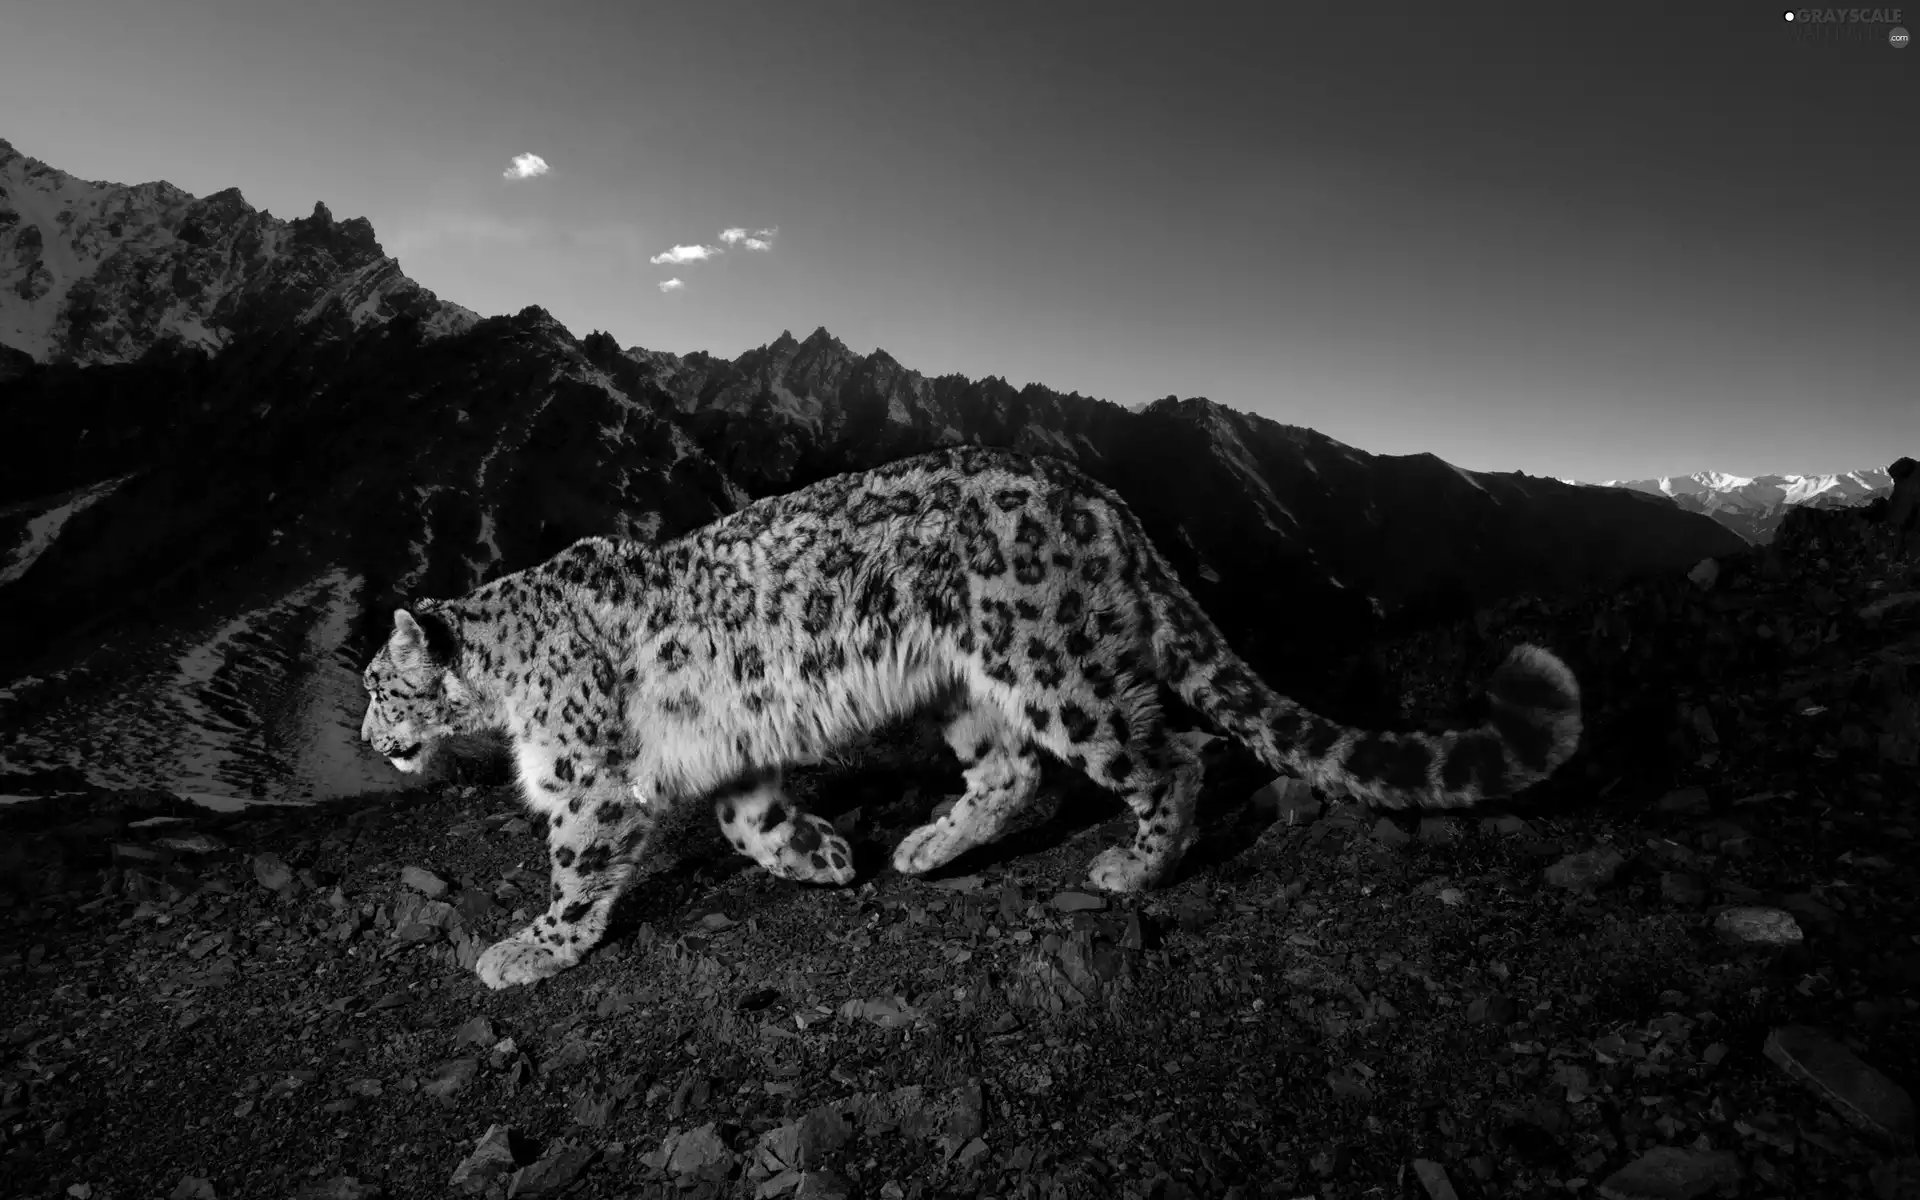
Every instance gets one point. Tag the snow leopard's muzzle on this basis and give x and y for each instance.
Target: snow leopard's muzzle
(405, 754)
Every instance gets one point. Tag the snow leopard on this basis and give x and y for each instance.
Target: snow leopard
(1012, 594)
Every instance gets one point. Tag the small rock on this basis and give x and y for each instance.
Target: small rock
(552, 1173)
(502, 1053)
(778, 1153)
(272, 872)
(411, 909)
(1758, 927)
(492, 1157)
(696, 1150)
(450, 1077)
(1079, 902)
(1665, 852)
(424, 881)
(191, 843)
(593, 1108)
(1704, 574)
(192, 1187)
(1433, 1177)
(1685, 800)
(1868, 1100)
(1587, 870)
(477, 1032)
(1670, 1173)
(1438, 831)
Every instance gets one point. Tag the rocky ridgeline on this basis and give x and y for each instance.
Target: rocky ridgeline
(94, 272)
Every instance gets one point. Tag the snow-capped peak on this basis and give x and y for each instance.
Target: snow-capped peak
(1754, 505)
(94, 272)
(1765, 491)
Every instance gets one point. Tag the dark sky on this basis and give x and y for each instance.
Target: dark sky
(1577, 240)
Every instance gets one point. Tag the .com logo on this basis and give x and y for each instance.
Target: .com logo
(1897, 38)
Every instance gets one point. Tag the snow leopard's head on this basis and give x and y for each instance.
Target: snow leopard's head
(415, 695)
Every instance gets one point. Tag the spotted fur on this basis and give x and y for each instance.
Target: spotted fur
(1024, 596)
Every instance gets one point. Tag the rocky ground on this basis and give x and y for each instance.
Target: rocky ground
(1686, 967)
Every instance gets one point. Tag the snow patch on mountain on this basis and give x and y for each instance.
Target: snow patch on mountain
(43, 529)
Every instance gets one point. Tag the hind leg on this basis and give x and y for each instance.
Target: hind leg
(1162, 792)
(1122, 742)
(1002, 774)
(762, 823)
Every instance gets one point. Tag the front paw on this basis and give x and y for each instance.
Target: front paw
(927, 848)
(1121, 869)
(516, 961)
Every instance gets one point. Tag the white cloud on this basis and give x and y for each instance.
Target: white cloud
(758, 239)
(671, 285)
(685, 254)
(526, 166)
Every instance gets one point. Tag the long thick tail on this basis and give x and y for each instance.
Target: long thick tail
(1534, 727)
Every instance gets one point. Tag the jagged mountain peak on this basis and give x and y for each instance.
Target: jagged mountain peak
(98, 272)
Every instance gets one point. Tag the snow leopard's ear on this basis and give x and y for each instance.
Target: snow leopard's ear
(407, 634)
(425, 631)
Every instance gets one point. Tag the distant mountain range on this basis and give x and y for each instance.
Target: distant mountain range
(233, 444)
(1753, 507)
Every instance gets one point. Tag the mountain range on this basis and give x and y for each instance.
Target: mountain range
(1754, 506)
(100, 272)
(235, 443)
